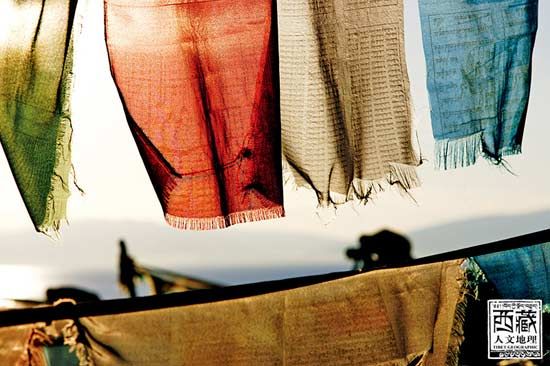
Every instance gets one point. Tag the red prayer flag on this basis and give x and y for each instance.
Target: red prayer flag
(199, 84)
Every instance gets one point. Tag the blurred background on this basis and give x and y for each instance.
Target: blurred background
(452, 210)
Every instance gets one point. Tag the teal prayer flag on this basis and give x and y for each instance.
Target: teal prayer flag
(478, 57)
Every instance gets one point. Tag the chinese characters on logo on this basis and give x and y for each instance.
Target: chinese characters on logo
(515, 329)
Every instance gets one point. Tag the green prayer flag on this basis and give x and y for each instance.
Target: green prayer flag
(35, 82)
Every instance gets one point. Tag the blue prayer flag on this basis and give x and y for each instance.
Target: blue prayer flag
(522, 273)
(478, 57)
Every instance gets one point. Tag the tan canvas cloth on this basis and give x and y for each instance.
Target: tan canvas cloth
(13, 344)
(388, 317)
(346, 119)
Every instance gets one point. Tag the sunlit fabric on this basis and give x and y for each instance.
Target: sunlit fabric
(522, 273)
(406, 316)
(40, 345)
(478, 56)
(518, 274)
(13, 345)
(345, 104)
(199, 83)
(35, 83)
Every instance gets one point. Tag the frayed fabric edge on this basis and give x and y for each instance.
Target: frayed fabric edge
(474, 277)
(72, 337)
(222, 222)
(44, 335)
(31, 354)
(402, 176)
(457, 331)
(56, 206)
(465, 151)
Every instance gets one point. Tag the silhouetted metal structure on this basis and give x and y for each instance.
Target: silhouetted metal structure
(127, 271)
(160, 281)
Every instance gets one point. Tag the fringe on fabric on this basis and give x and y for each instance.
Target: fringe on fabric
(457, 332)
(65, 331)
(40, 336)
(44, 335)
(222, 222)
(474, 277)
(72, 339)
(401, 176)
(56, 206)
(465, 151)
(458, 153)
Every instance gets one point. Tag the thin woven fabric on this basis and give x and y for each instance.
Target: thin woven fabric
(35, 84)
(478, 56)
(406, 316)
(199, 80)
(345, 104)
(522, 273)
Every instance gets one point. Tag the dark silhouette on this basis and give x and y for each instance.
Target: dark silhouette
(73, 293)
(127, 270)
(383, 249)
(160, 281)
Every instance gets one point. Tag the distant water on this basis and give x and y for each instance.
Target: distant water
(30, 283)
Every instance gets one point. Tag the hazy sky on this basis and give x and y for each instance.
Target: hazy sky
(117, 187)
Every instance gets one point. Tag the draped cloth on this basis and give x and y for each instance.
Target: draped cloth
(519, 274)
(392, 317)
(199, 81)
(478, 56)
(522, 273)
(35, 83)
(37, 345)
(346, 118)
